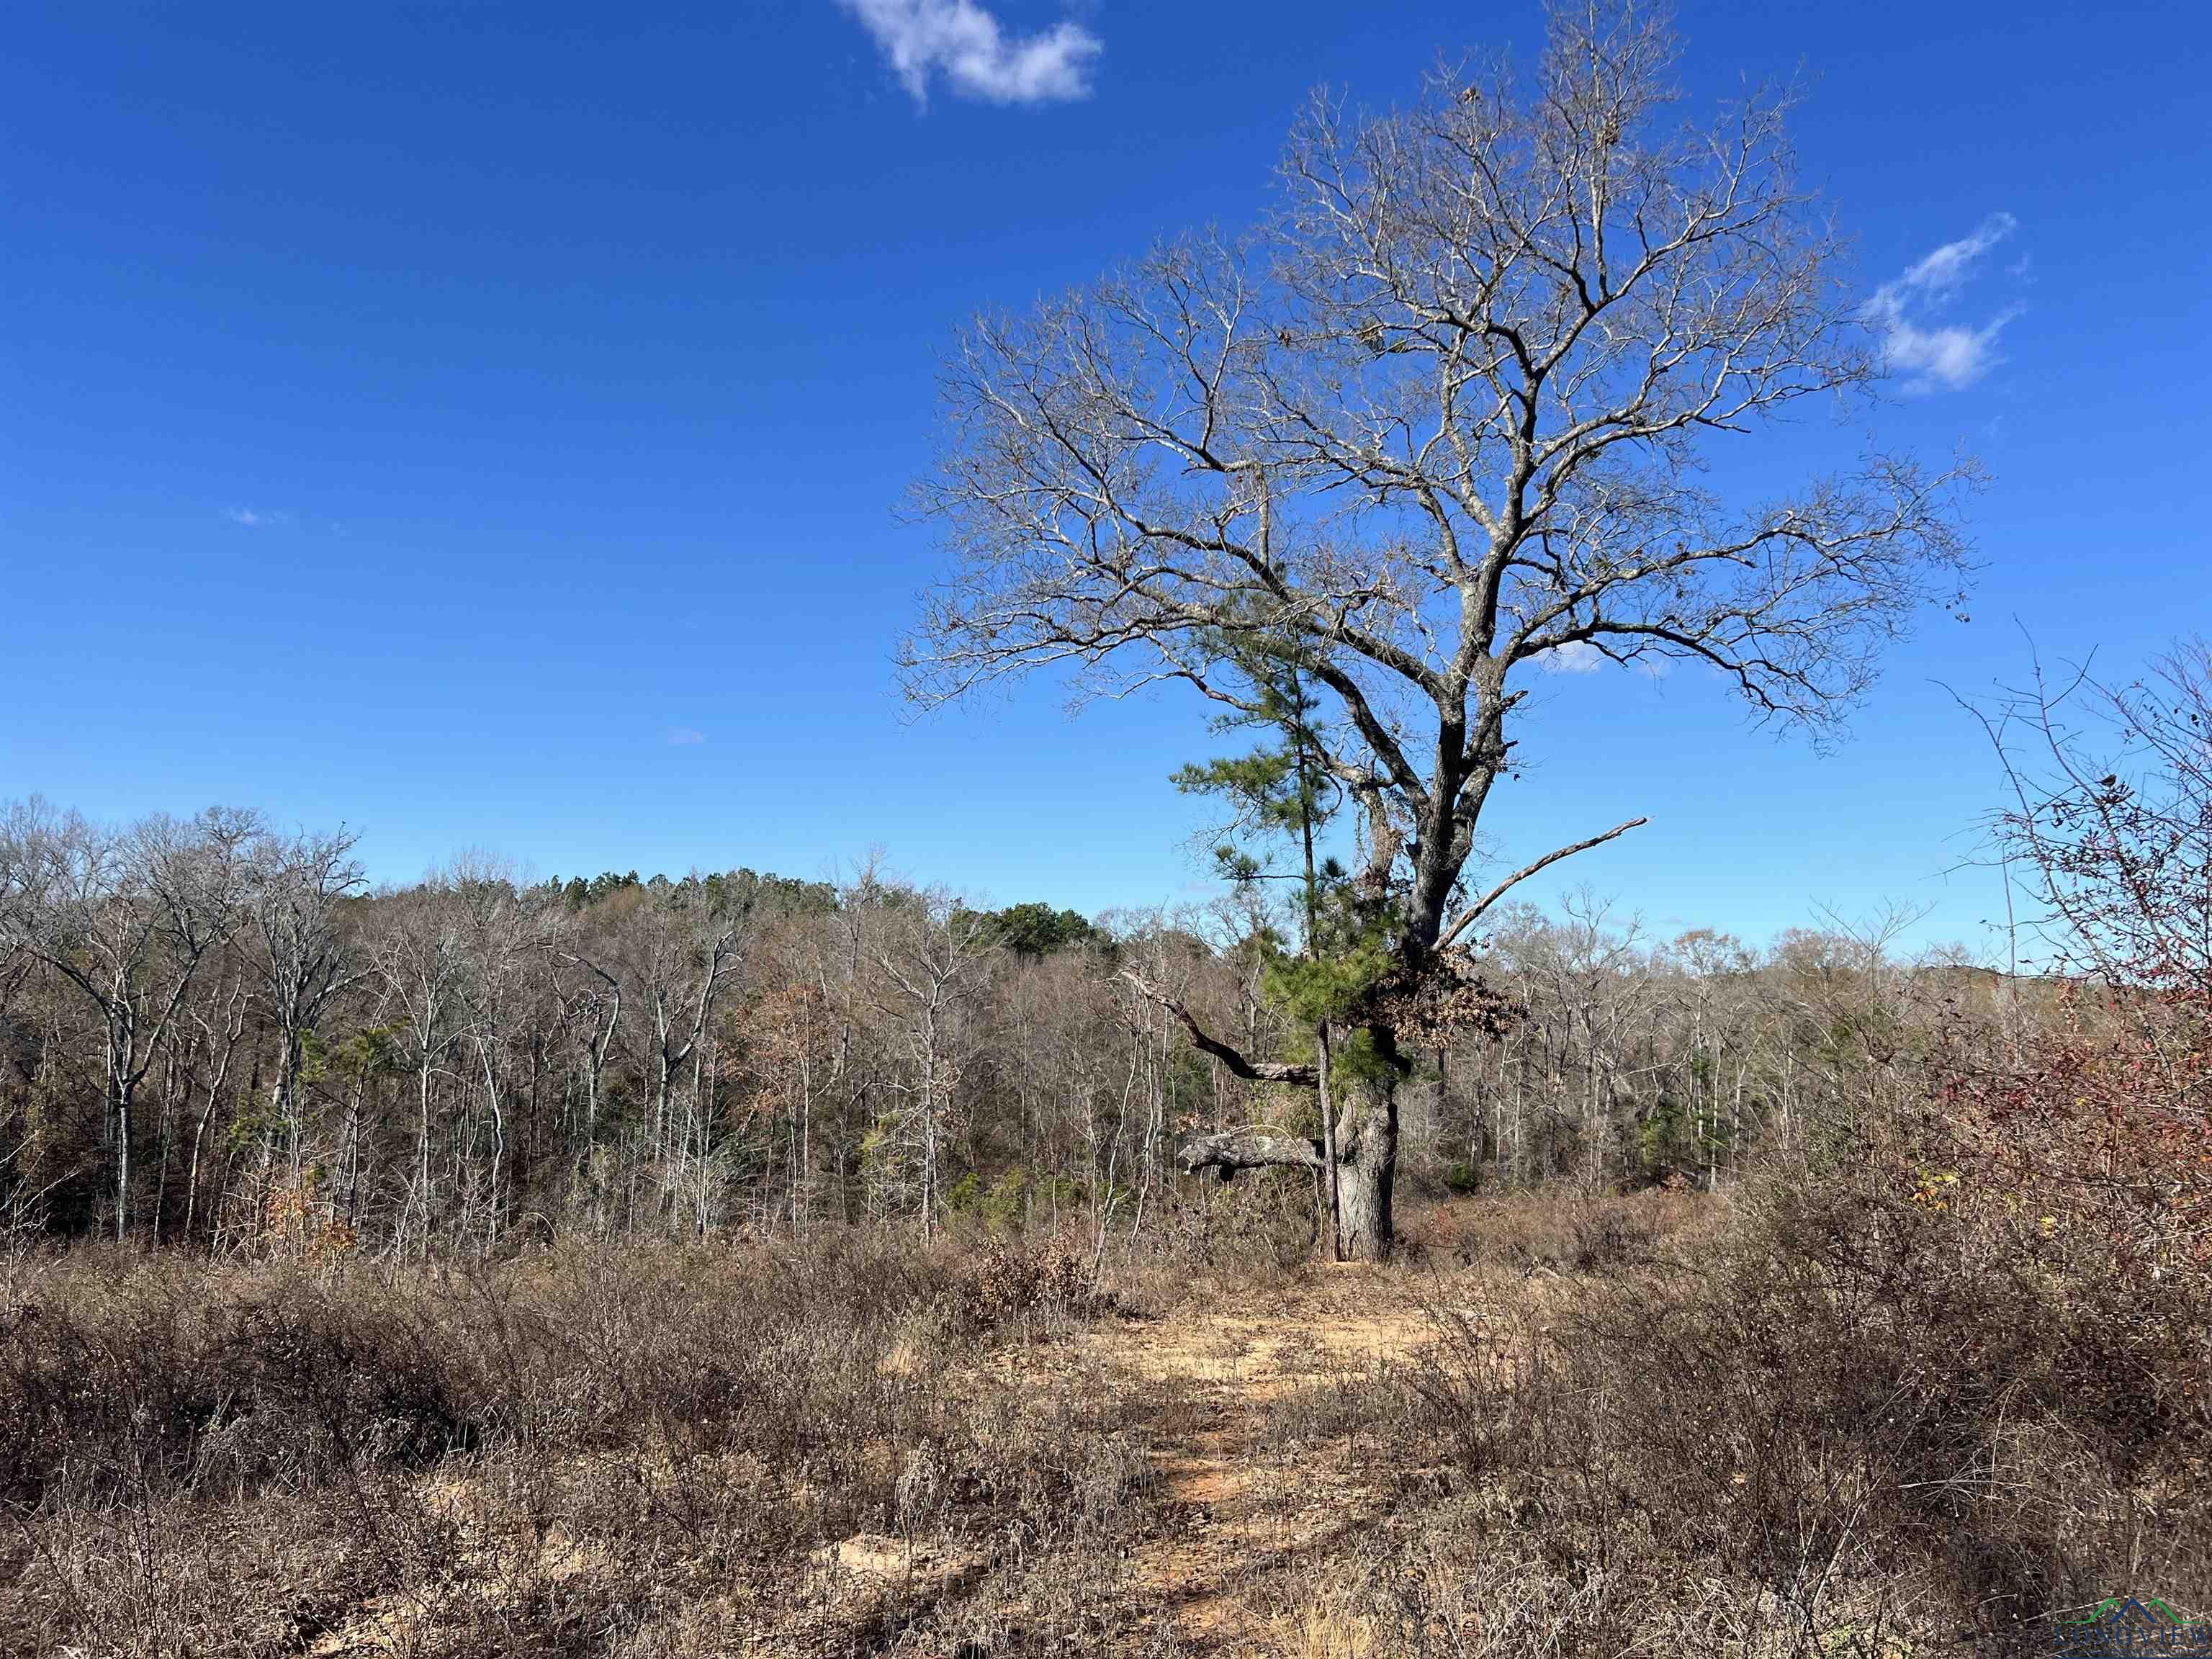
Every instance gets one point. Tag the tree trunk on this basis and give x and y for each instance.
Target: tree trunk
(1363, 1192)
(123, 1164)
(423, 1151)
(1366, 1137)
(1367, 1166)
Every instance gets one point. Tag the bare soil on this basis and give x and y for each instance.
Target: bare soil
(1252, 1493)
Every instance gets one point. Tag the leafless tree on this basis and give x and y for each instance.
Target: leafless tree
(125, 917)
(499, 940)
(421, 963)
(676, 955)
(932, 954)
(305, 958)
(2109, 828)
(219, 1018)
(1443, 418)
(588, 999)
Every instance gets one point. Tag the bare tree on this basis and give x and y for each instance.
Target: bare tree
(305, 958)
(125, 917)
(931, 954)
(1443, 418)
(587, 1000)
(2109, 829)
(221, 1026)
(420, 964)
(678, 950)
(499, 938)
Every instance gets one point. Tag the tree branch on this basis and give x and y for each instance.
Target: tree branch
(1247, 1149)
(1468, 917)
(1263, 1071)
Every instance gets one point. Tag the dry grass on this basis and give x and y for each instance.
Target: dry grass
(635, 1452)
(1811, 1421)
(1803, 1421)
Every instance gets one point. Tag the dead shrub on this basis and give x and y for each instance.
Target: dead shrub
(588, 1450)
(1842, 1404)
(1018, 1282)
(1559, 1230)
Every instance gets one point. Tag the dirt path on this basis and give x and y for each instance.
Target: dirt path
(1254, 1485)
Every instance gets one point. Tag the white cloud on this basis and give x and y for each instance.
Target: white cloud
(1942, 272)
(246, 516)
(684, 735)
(1932, 355)
(1943, 359)
(1575, 657)
(966, 44)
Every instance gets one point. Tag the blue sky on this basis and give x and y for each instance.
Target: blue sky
(481, 423)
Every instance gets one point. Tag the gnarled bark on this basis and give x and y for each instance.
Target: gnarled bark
(1247, 1149)
(1367, 1177)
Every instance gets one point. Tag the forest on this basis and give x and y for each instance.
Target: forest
(218, 1039)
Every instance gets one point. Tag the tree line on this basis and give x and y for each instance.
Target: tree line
(214, 1034)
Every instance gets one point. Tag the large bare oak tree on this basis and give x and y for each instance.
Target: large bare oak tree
(1450, 409)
